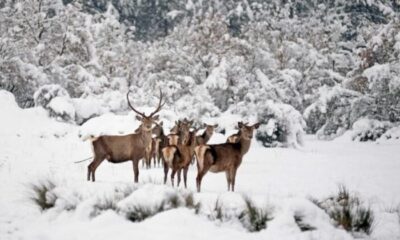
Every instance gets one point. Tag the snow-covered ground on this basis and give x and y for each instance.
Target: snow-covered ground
(34, 147)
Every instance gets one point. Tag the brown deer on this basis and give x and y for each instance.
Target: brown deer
(131, 147)
(207, 134)
(181, 129)
(178, 158)
(205, 137)
(234, 138)
(161, 141)
(225, 157)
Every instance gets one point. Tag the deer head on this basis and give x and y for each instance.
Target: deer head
(210, 128)
(146, 121)
(158, 130)
(246, 132)
(184, 128)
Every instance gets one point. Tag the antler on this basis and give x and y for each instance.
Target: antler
(130, 105)
(159, 105)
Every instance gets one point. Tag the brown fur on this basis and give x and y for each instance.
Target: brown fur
(178, 158)
(234, 138)
(173, 139)
(225, 157)
(131, 147)
(207, 134)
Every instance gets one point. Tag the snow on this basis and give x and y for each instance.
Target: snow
(376, 73)
(281, 179)
(174, 13)
(62, 106)
(218, 77)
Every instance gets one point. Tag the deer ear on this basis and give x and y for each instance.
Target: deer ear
(216, 125)
(256, 125)
(240, 125)
(155, 118)
(139, 118)
(161, 123)
(191, 123)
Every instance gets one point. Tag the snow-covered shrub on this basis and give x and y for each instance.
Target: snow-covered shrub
(348, 212)
(384, 89)
(62, 109)
(46, 93)
(56, 100)
(315, 117)
(392, 134)
(281, 125)
(303, 226)
(369, 129)
(137, 206)
(338, 104)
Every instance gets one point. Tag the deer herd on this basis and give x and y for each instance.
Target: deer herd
(175, 151)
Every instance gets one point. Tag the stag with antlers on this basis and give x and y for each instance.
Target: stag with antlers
(225, 157)
(131, 147)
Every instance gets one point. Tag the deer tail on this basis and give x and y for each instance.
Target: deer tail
(200, 152)
(169, 153)
(91, 138)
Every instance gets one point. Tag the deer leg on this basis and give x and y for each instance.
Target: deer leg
(135, 164)
(179, 176)
(200, 176)
(166, 168)
(147, 160)
(172, 176)
(185, 170)
(89, 170)
(228, 179)
(233, 177)
(93, 166)
(198, 181)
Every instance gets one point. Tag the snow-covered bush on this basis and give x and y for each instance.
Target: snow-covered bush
(392, 134)
(56, 100)
(281, 125)
(337, 103)
(137, 206)
(369, 129)
(46, 93)
(315, 117)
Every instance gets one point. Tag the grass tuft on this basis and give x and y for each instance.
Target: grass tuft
(42, 195)
(254, 218)
(348, 212)
(299, 220)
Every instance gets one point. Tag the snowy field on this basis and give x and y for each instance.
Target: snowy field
(34, 148)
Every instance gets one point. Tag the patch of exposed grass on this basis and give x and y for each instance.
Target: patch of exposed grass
(139, 212)
(348, 212)
(42, 195)
(254, 218)
(299, 220)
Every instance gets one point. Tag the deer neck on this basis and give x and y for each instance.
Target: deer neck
(206, 135)
(244, 145)
(162, 135)
(146, 137)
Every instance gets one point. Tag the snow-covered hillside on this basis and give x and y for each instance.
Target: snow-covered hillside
(35, 148)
